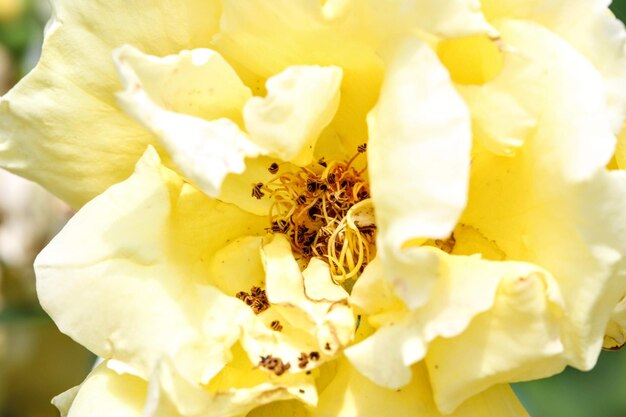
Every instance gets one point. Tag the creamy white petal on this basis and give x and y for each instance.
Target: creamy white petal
(301, 101)
(61, 125)
(420, 139)
(615, 335)
(312, 309)
(466, 289)
(239, 388)
(205, 151)
(126, 290)
(518, 339)
(554, 202)
(196, 82)
(104, 393)
(419, 156)
(597, 34)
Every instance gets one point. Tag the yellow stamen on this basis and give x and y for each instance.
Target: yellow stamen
(316, 208)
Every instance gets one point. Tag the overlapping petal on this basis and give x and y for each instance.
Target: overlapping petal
(129, 290)
(61, 126)
(419, 160)
(350, 394)
(160, 91)
(615, 336)
(312, 309)
(104, 393)
(301, 101)
(478, 306)
(239, 388)
(554, 202)
(597, 34)
(267, 37)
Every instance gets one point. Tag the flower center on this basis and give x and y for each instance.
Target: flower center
(325, 211)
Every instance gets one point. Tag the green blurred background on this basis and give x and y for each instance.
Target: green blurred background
(37, 362)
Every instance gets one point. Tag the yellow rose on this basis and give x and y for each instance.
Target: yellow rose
(211, 284)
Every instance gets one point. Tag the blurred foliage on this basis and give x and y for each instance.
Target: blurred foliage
(619, 8)
(598, 393)
(21, 24)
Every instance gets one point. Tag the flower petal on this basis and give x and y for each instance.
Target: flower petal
(518, 339)
(300, 103)
(239, 388)
(266, 38)
(61, 126)
(198, 83)
(419, 145)
(205, 151)
(133, 274)
(548, 206)
(350, 395)
(104, 393)
(419, 159)
(466, 289)
(313, 309)
(597, 34)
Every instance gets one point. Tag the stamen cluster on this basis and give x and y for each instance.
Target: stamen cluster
(311, 205)
(256, 299)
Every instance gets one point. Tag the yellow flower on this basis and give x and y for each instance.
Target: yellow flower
(479, 242)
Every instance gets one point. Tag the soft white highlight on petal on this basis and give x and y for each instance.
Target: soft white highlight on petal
(597, 34)
(419, 146)
(301, 101)
(419, 157)
(205, 151)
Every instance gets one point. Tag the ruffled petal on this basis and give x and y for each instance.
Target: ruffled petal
(301, 101)
(316, 319)
(61, 126)
(351, 395)
(419, 159)
(266, 38)
(542, 68)
(420, 140)
(236, 390)
(597, 34)
(104, 393)
(205, 151)
(555, 202)
(134, 274)
(198, 82)
(518, 339)
(470, 295)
